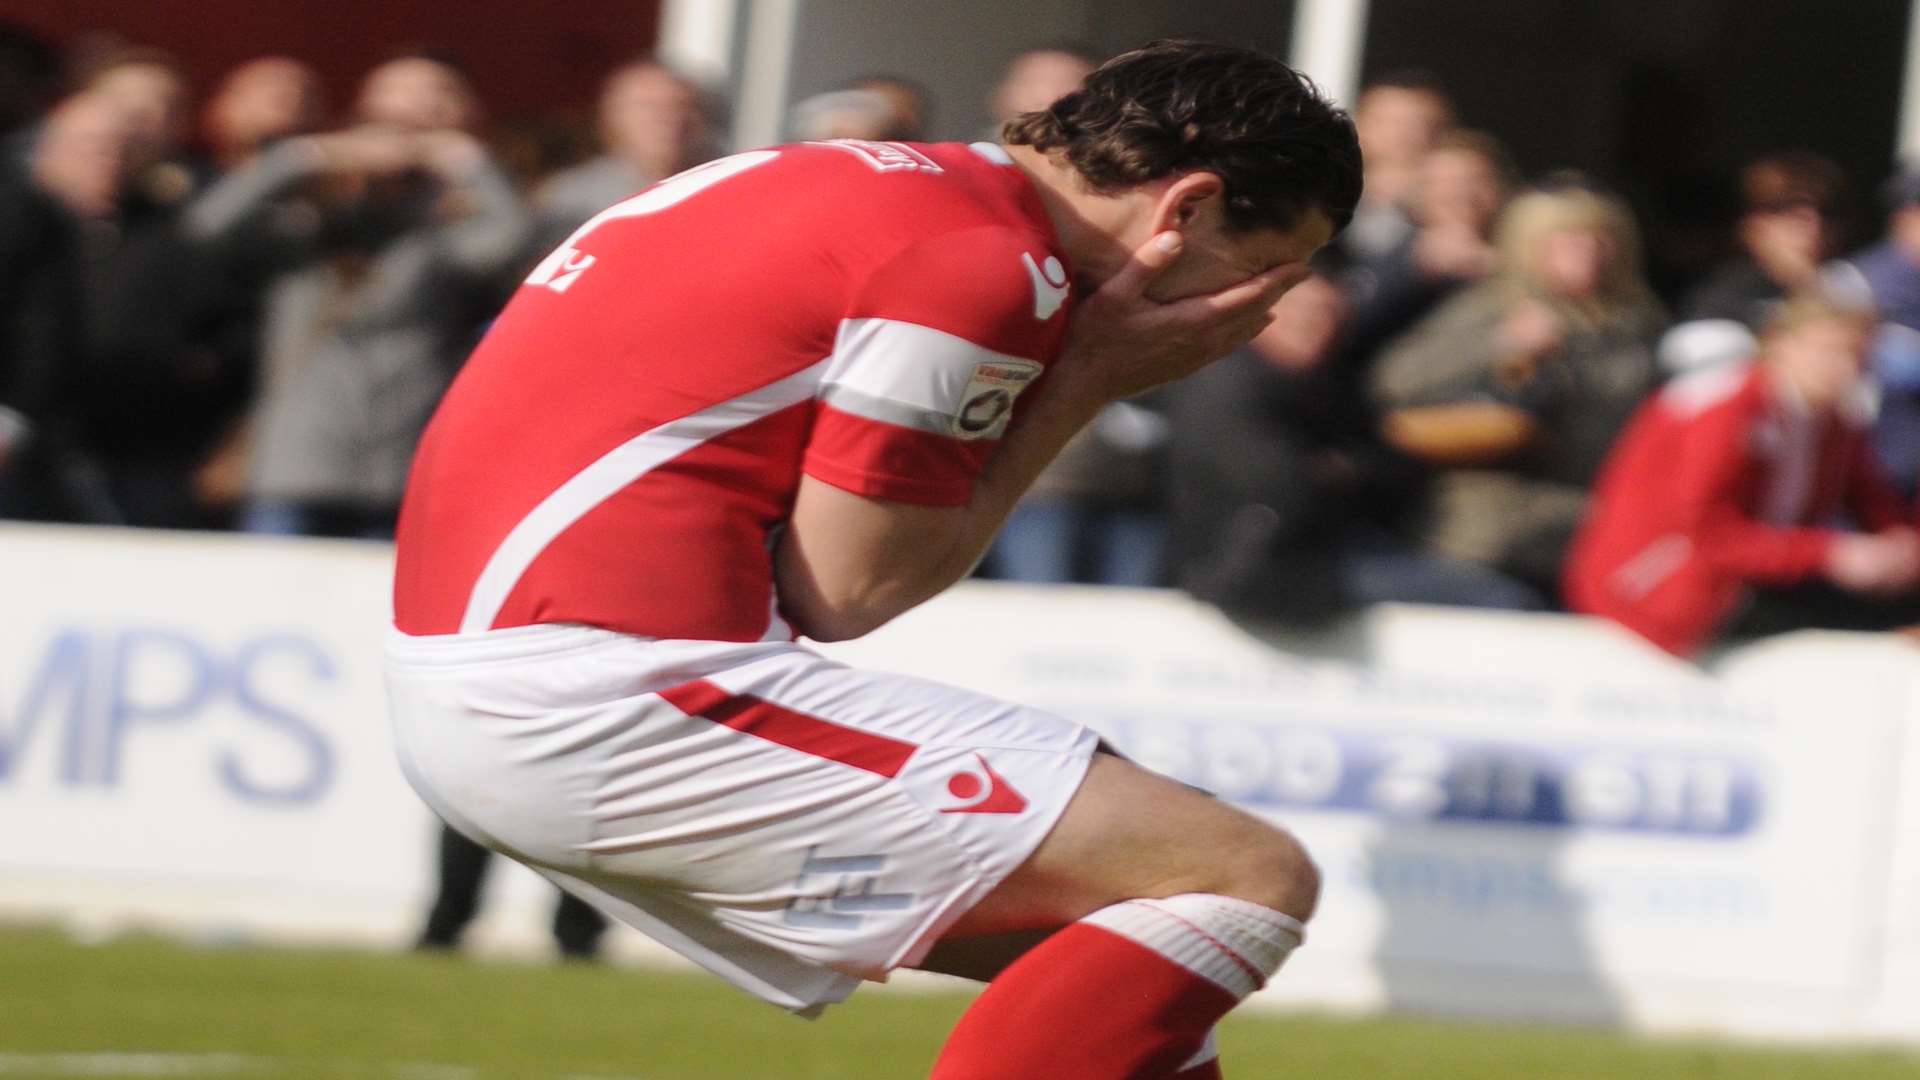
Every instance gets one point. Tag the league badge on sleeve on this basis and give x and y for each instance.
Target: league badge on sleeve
(987, 404)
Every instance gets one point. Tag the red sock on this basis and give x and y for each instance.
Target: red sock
(1131, 993)
(1204, 1065)
(1088, 1004)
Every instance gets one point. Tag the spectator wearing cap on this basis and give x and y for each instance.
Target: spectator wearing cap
(1732, 480)
(1516, 387)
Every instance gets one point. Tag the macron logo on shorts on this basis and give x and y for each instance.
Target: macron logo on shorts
(983, 791)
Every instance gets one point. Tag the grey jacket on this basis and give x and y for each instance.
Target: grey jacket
(358, 348)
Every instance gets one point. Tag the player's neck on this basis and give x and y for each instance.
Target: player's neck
(1092, 227)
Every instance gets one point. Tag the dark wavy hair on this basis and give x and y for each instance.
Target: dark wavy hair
(1179, 106)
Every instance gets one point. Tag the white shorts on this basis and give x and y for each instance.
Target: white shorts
(788, 823)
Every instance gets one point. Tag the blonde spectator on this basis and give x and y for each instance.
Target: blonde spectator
(1517, 387)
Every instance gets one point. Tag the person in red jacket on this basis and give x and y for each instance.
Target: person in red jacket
(1732, 479)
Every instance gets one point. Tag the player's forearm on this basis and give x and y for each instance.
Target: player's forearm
(847, 565)
(1059, 411)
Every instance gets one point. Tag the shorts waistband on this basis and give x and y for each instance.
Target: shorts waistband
(538, 639)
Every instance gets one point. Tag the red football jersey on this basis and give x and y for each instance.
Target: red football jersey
(623, 446)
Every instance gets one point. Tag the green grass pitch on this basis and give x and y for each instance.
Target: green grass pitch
(146, 1007)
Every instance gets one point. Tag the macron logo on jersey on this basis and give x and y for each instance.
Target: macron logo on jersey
(1050, 285)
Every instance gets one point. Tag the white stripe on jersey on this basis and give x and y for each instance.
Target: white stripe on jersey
(614, 471)
(906, 374)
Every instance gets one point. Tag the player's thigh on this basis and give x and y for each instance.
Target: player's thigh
(1130, 832)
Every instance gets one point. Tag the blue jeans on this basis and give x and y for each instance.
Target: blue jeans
(1375, 569)
(1060, 542)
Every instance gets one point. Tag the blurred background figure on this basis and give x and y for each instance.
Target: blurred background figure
(877, 108)
(577, 926)
(1791, 223)
(1461, 186)
(385, 239)
(151, 90)
(1285, 502)
(259, 103)
(653, 122)
(48, 204)
(1887, 275)
(1036, 79)
(909, 106)
(151, 382)
(1516, 387)
(841, 114)
(1398, 117)
(1734, 479)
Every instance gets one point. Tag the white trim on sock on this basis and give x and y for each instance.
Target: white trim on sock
(1235, 944)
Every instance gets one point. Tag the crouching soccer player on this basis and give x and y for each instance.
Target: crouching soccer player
(794, 392)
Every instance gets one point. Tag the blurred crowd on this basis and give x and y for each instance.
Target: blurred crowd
(238, 312)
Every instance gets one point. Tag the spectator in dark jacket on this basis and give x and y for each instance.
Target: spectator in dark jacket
(42, 476)
(146, 392)
(1286, 503)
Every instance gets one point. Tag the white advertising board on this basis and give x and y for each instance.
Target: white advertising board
(1515, 815)
(1518, 816)
(193, 735)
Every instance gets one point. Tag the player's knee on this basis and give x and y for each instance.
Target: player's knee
(1273, 869)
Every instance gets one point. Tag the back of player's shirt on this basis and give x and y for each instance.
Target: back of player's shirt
(623, 446)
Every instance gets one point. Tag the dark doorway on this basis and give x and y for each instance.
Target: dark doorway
(1664, 101)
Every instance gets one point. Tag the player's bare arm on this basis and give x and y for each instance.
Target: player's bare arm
(847, 564)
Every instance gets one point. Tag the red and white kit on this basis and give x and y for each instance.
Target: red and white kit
(589, 669)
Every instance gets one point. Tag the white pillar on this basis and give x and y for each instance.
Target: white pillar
(1908, 147)
(1328, 39)
(760, 107)
(697, 37)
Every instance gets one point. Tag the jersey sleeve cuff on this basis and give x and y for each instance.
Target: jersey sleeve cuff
(921, 492)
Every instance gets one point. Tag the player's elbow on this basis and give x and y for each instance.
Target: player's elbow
(842, 620)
